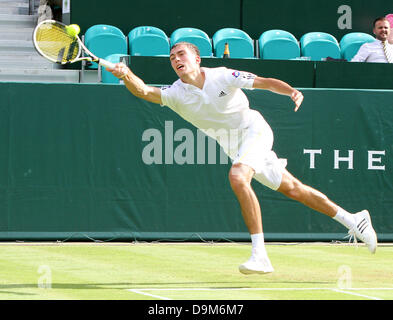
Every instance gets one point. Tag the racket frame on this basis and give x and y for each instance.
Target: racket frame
(82, 48)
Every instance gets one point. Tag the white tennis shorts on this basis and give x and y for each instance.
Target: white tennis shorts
(255, 150)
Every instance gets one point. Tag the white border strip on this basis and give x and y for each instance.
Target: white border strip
(346, 291)
(148, 294)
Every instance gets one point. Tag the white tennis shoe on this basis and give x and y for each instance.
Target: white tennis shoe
(364, 231)
(257, 265)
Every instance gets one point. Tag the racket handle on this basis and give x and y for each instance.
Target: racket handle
(106, 64)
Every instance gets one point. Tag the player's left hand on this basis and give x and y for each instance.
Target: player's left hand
(297, 97)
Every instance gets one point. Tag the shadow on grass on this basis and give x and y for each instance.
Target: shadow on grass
(127, 285)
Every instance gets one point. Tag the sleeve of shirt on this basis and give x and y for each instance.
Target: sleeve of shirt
(239, 79)
(168, 97)
(362, 54)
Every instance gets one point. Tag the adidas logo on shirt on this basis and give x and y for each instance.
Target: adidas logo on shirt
(222, 94)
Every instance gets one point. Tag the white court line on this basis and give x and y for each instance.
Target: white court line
(347, 291)
(356, 294)
(252, 289)
(148, 294)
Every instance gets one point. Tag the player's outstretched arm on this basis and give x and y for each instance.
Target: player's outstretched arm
(136, 85)
(280, 87)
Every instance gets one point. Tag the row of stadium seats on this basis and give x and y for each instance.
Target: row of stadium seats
(104, 40)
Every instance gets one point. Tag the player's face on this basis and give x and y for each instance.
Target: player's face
(382, 30)
(184, 60)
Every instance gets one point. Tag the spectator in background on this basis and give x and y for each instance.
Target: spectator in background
(390, 19)
(380, 50)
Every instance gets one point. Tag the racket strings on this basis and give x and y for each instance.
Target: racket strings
(54, 42)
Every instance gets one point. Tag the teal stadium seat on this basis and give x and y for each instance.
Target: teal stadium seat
(148, 41)
(106, 76)
(194, 36)
(278, 45)
(319, 45)
(104, 40)
(351, 42)
(240, 43)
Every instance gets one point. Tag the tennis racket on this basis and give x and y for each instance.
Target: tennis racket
(54, 42)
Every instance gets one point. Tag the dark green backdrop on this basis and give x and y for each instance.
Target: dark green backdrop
(253, 16)
(304, 74)
(71, 166)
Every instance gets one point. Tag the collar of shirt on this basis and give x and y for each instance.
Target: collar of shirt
(380, 43)
(190, 87)
(193, 89)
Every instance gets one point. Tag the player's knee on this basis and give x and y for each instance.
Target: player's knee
(295, 190)
(238, 180)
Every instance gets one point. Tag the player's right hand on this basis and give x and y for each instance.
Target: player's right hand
(120, 70)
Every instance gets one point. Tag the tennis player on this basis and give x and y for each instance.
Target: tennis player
(212, 100)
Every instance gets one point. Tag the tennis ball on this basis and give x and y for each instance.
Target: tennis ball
(73, 30)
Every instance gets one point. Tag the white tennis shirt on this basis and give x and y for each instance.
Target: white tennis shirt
(221, 104)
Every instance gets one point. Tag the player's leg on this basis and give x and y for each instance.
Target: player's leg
(240, 177)
(296, 190)
(359, 224)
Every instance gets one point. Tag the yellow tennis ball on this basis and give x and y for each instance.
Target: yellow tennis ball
(73, 30)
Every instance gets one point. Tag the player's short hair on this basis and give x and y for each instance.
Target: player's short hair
(189, 45)
(379, 19)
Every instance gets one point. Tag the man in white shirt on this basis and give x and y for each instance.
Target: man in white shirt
(212, 100)
(380, 50)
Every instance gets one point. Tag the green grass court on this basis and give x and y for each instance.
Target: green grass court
(192, 271)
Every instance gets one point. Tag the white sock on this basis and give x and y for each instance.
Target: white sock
(345, 218)
(258, 243)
